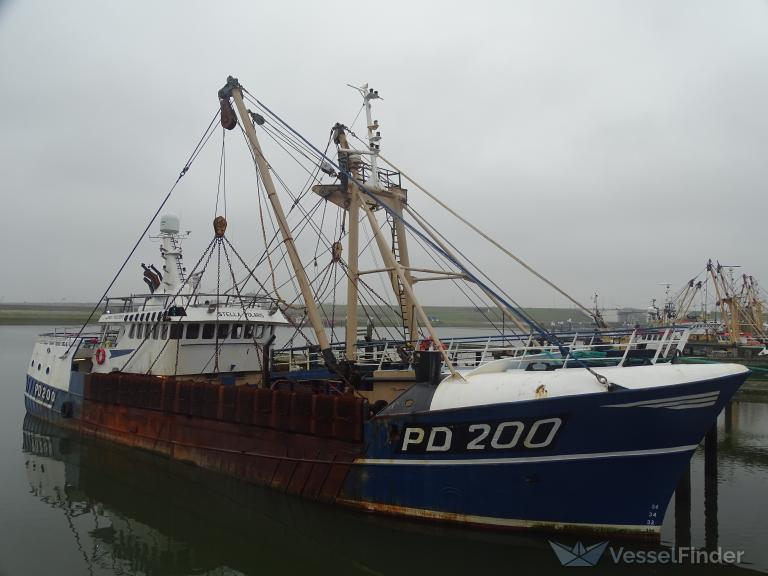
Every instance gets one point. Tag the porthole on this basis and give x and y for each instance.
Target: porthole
(38, 366)
(48, 370)
(32, 365)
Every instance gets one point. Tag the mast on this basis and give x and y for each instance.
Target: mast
(234, 90)
(394, 202)
(353, 246)
(386, 187)
(729, 313)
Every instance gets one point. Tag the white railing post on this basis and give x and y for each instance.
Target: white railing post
(629, 345)
(661, 345)
(485, 350)
(383, 354)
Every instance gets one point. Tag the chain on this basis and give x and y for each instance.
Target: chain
(242, 302)
(162, 316)
(281, 304)
(218, 298)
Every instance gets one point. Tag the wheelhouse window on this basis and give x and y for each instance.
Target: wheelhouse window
(237, 331)
(164, 331)
(248, 332)
(193, 331)
(223, 331)
(177, 330)
(208, 331)
(259, 330)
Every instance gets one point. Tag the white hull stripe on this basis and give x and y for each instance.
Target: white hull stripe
(669, 402)
(523, 459)
(38, 401)
(692, 405)
(491, 521)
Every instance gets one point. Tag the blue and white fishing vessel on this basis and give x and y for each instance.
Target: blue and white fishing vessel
(534, 431)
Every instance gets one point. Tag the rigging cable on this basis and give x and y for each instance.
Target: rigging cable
(200, 145)
(487, 237)
(424, 224)
(222, 182)
(456, 283)
(530, 321)
(208, 252)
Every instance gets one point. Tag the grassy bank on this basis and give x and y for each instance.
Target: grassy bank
(44, 314)
(448, 316)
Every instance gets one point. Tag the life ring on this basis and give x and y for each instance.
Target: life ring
(101, 356)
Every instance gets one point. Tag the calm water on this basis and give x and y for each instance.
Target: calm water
(81, 507)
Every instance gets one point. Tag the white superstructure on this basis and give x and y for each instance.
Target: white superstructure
(171, 330)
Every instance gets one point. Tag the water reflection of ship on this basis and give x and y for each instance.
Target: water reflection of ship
(59, 475)
(134, 512)
(153, 515)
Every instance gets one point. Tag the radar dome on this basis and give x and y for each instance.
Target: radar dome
(169, 224)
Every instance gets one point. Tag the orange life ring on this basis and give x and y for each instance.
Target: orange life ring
(101, 356)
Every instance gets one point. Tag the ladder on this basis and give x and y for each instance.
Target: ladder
(405, 311)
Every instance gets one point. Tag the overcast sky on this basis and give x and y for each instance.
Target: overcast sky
(614, 145)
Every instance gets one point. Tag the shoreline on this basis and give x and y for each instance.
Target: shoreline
(45, 314)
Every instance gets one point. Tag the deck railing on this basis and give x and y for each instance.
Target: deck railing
(609, 348)
(139, 302)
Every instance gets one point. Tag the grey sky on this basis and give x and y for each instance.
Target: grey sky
(614, 145)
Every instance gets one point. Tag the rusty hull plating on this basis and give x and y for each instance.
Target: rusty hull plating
(301, 443)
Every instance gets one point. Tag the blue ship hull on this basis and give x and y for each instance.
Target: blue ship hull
(591, 462)
(613, 464)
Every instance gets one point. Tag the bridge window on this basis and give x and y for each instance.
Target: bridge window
(208, 331)
(259, 329)
(237, 331)
(248, 332)
(223, 331)
(193, 331)
(177, 330)
(164, 331)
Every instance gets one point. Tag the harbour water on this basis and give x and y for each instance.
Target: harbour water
(74, 506)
